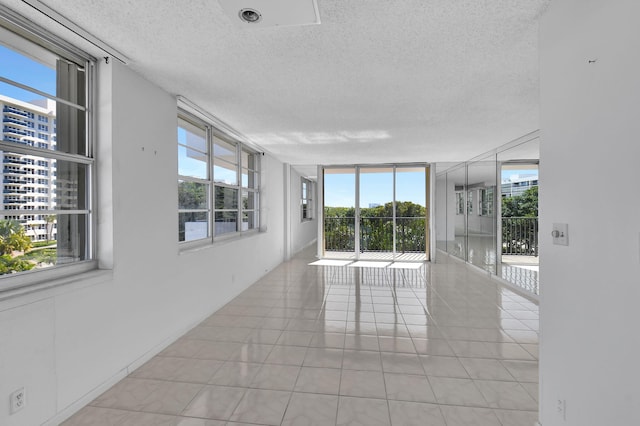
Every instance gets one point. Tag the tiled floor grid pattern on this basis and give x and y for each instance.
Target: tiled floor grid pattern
(326, 345)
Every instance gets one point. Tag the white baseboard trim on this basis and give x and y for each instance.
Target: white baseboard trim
(310, 243)
(518, 290)
(76, 406)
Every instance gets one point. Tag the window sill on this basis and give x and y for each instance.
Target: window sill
(194, 246)
(42, 284)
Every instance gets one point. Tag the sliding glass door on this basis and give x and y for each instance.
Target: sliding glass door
(340, 212)
(412, 233)
(376, 212)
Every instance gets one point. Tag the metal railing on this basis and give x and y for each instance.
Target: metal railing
(376, 234)
(520, 236)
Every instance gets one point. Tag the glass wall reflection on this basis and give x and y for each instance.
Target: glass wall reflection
(486, 211)
(481, 217)
(457, 206)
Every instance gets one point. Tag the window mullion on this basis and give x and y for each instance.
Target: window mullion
(239, 186)
(212, 187)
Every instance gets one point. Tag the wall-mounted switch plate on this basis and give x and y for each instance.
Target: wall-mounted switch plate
(560, 234)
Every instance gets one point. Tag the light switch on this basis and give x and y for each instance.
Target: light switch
(560, 234)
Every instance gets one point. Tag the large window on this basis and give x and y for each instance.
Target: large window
(44, 82)
(218, 183)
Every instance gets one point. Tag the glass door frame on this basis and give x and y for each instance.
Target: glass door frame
(501, 165)
(321, 252)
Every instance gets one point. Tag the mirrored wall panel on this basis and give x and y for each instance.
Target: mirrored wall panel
(481, 217)
(486, 211)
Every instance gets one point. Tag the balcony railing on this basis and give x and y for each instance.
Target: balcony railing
(13, 110)
(376, 234)
(520, 236)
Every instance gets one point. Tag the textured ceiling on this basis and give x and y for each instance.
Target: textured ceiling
(376, 81)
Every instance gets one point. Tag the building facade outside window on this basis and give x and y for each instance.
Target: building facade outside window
(42, 82)
(218, 183)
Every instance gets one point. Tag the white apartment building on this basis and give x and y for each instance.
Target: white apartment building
(28, 181)
(515, 185)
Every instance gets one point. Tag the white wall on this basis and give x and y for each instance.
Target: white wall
(589, 168)
(63, 344)
(303, 233)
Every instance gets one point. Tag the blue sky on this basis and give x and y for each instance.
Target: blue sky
(375, 188)
(508, 173)
(17, 67)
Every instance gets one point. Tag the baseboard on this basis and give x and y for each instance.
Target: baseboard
(312, 242)
(76, 406)
(518, 290)
(306, 246)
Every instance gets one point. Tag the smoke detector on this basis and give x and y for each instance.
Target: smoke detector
(273, 13)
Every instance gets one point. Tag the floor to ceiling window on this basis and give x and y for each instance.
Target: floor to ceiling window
(376, 212)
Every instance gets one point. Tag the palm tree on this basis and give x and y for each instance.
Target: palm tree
(50, 219)
(13, 237)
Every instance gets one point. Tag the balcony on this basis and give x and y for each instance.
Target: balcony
(11, 110)
(12, 130)
(13, 161)
(520, 236)
(376, 237)
(15, 121)
(7, 172)
(520, 252)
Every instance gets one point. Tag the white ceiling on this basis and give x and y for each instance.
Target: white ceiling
(376, 81)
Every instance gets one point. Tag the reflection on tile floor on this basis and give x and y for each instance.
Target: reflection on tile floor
(525, 277)
(333, 345)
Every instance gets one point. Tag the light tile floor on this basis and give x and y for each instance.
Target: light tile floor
(333, 345)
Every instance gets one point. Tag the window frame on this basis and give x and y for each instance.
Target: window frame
(21, 35)
(460, 202)
(486, 201)
(306, 199)
(237, 210)
(196, 180)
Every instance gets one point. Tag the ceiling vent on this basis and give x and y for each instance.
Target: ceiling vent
(250, 14)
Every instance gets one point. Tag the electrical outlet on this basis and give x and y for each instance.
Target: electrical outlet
(562, 409)
(18, 400)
